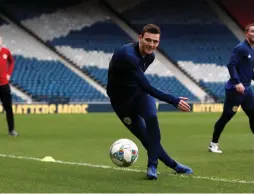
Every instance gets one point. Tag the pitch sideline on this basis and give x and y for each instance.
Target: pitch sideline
(126, 169)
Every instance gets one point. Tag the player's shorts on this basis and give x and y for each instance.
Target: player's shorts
(234, 99)
(143, 105)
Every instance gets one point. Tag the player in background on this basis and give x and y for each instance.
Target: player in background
(133, 98)
(6, 69)
(238, 87)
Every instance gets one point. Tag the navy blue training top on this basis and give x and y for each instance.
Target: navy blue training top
(126, 79)
(241, 66)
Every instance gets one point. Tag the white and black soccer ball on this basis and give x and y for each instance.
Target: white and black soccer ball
(124, 152)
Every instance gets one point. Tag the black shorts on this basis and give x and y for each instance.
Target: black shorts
(5, 95)
(235, 99)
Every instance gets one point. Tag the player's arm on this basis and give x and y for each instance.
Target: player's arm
(149, 89)
(11, 65)
(233, 63)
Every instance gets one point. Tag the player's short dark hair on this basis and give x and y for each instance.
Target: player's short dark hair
(151, 28)
(248, 27)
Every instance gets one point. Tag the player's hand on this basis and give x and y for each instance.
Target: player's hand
(182, 105)
(240, 88)
(8, 77)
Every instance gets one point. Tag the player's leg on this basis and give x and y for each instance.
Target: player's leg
(131, 119)
(248, 107)
(129, 116)
(232, 102)
(148, 112)
(143, 137)
(138, 128)
(6, 99)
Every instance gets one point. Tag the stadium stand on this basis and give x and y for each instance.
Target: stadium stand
(41, 75)
(16, 99)
(88, 37)
(192, 35)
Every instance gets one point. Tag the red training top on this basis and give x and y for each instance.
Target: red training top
(6, 65)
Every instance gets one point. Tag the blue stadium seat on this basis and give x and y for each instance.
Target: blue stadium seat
(101, 36)
(104, 37)
(191, 31)
(165, 83)
(46, 80)
(16, 99)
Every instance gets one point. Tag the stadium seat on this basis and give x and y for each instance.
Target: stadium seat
(41, 74)
(192, 35)
(46, 80)
(86, 36)
(16, 99)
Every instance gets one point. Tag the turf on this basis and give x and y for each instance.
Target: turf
(87, 138)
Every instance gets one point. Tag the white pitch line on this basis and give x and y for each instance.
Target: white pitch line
(126, 169)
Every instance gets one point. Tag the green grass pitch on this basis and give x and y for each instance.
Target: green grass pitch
(87, 138)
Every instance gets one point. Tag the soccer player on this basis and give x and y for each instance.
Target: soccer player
(133, 98)
(6, 69)
(238, 87)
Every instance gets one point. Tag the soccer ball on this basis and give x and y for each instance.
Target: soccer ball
(123, 152)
